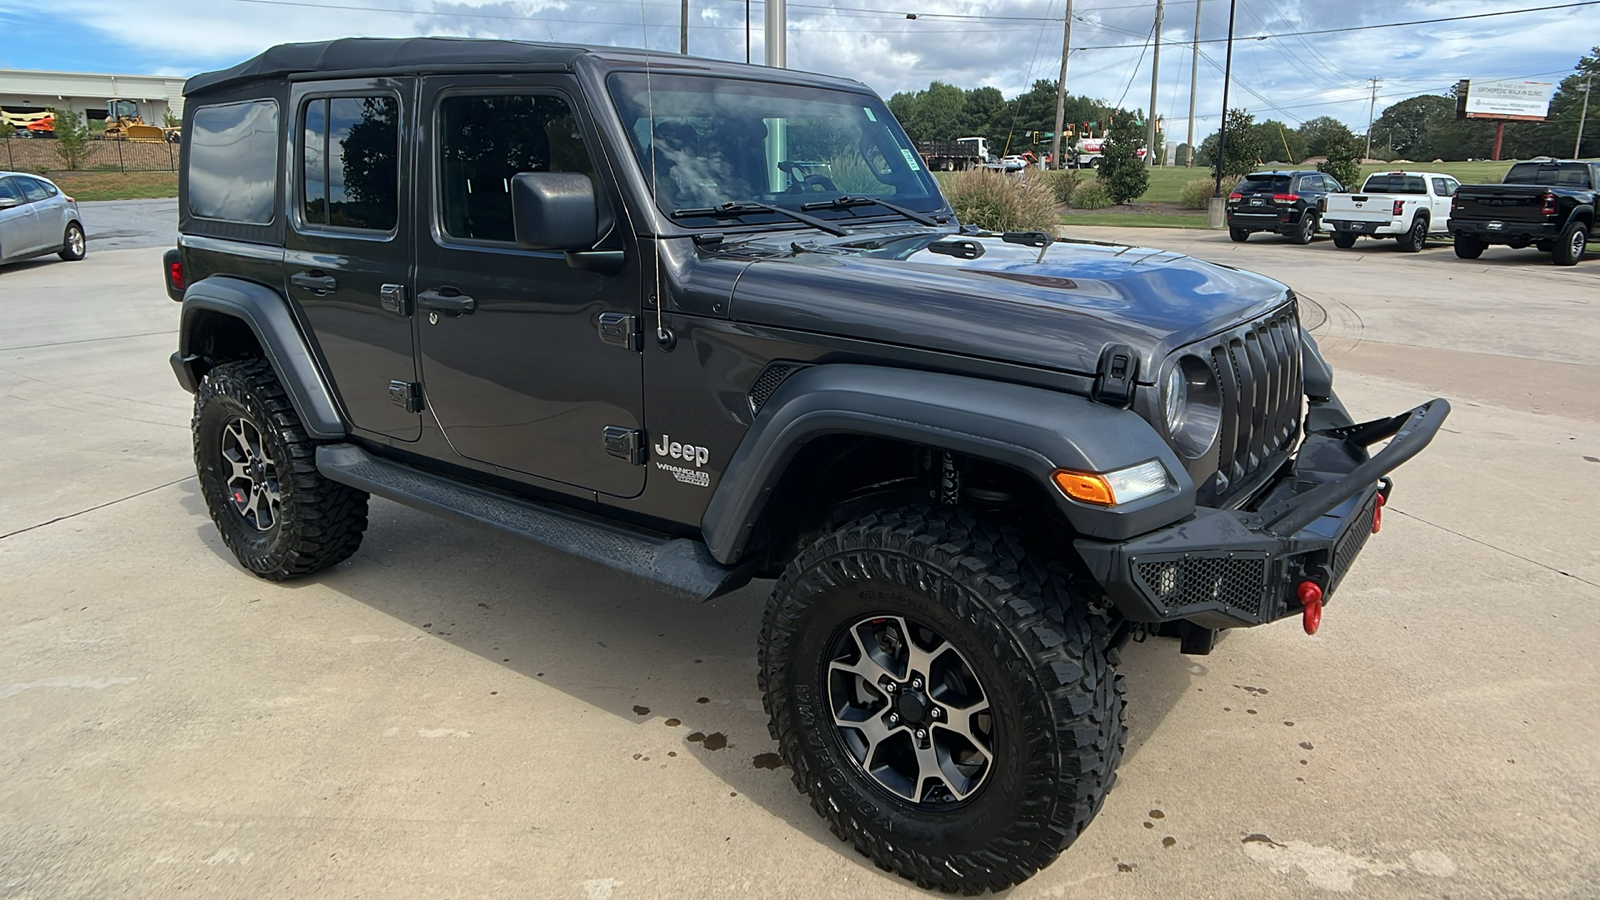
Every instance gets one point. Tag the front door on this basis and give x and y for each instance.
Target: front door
(513, 365)
(346, 260)
(19, 227)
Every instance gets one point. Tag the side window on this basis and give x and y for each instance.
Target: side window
(233, 162)
(484, 141)
(33, 189)
(8, 190)
(350, 163)
(1445, 187)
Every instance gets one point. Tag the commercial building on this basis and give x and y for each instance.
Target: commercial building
(22, 90)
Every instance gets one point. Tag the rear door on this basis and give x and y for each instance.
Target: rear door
(19, 235)
(347, 251)
(517, 373)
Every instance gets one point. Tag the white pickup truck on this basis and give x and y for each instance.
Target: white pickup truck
(1407, 206)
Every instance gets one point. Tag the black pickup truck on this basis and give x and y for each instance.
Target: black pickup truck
(1548, 204)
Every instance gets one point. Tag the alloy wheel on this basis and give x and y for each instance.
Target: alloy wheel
(252, 480)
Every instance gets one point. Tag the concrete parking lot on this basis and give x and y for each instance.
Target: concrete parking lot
(454, 714)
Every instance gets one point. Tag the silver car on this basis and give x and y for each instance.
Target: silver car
(37, 218)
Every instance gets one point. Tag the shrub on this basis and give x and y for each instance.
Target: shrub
(72, 138)
(1121, 170)
(1091, 195)
(1344, 161)
(1062, 183)
(995, 202)
(1196, 194)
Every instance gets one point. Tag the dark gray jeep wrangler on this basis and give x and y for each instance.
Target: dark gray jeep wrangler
(703, 323)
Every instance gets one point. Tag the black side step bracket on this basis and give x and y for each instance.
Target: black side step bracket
(678, 566)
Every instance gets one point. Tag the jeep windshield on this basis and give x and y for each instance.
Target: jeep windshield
(721, 150)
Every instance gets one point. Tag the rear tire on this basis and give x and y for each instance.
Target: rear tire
(1571, 245)
(1239, 235)
(74, 246)
(258, 475)
(1416, 237)
(1307, 229)
(960, 619)
(1344, 240)
(1468, 247)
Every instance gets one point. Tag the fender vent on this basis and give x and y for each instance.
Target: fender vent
(768, 381)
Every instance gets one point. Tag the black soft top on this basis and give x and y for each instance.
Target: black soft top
(433, 54)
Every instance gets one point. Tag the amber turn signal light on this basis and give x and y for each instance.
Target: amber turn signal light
(1085, 487)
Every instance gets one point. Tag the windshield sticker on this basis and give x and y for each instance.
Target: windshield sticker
(870, 116)
(911, 159)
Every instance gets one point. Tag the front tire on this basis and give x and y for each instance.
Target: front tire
(1570, 246)
(1001, 735)
(1468, 247)
(74, 246)
(258, 474)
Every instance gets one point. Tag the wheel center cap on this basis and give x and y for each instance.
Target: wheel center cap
(912, 707)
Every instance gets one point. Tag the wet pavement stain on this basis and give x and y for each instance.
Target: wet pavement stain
(767, 761)
(1157, 814)
(1149, 824)
(1260, 839)
(672, 723)
(702, 699)
(1125, 867)
(716, 740)
(641, 710)
(1169, 841)
(1258, 691)
(1305, 745)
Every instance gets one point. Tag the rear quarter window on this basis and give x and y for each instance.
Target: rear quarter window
(233, 162)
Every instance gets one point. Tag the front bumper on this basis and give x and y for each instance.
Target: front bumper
(1232, 568)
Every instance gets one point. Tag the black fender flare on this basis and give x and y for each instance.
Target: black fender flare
(266, 312)
(1031, 429)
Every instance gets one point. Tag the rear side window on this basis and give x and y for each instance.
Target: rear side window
(33, 189)
(350, 163)
(1445, 187)
(485, 141)
(233, 162)
(1264, 184)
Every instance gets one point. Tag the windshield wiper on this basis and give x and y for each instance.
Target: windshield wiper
(848, 202)
(733, 210)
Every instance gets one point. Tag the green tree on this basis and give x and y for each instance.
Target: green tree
(1243, 150)
(1279, 141)
(72, 138)
(940, 113)
(1316, 134)
(1121, 170)
(1344, 161)
(1554, 136)
(1406, 129)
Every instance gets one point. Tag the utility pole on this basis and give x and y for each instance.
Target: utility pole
(1155, 73)
(1583, 117)
(1194, 80)
(1061, 89)
(747, 31)
(683, 30)
(1371, 108)
(1222, 128)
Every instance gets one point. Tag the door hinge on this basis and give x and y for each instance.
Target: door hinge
(621, 330)
(625, 443)
(407, 395)
(393, 298)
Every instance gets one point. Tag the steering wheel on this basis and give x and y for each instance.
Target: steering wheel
(801, 182)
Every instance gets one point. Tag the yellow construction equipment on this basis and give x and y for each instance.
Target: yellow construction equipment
(123, 124)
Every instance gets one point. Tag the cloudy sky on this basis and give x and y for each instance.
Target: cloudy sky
(1004, 43)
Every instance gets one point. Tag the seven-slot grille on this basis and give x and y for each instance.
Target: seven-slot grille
(1258, 373)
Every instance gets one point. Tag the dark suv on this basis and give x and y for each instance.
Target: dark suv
(1284, 202)
(702, 322)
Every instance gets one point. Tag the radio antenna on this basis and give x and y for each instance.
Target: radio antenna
(655, 190)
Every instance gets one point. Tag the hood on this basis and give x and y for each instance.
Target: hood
(1055, 308)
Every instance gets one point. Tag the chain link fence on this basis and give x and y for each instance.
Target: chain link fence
(39, 155)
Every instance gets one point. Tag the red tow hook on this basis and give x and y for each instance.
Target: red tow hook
(1310, 594)
(1377, 514)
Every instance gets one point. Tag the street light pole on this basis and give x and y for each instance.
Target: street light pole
(1061, 90)
(1227, 77)
(1155, 75)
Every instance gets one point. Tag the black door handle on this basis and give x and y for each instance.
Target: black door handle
(447, 300)
(316, 281)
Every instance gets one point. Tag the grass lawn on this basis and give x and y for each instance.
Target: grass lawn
(117, 185)
(1165, 182)
(1134, 218)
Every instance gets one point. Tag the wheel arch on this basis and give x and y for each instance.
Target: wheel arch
(226, 318)
(1007, 428)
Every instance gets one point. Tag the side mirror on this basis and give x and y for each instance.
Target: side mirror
(8, 202)
(554, 211)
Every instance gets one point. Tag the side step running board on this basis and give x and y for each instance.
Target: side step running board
(676, 565)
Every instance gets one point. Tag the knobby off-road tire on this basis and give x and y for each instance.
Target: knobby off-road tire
(74, 246)
(258, 475)
(1570, 245)
(995, 629)
(1469, 247)
(1344, 240)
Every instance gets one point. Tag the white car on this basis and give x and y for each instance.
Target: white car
(1013, 163)
(37, 218)
(1407, 206)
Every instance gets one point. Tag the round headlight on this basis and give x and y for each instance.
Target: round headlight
(1193, 406)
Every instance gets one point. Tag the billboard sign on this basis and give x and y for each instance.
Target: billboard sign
(1522, 100)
